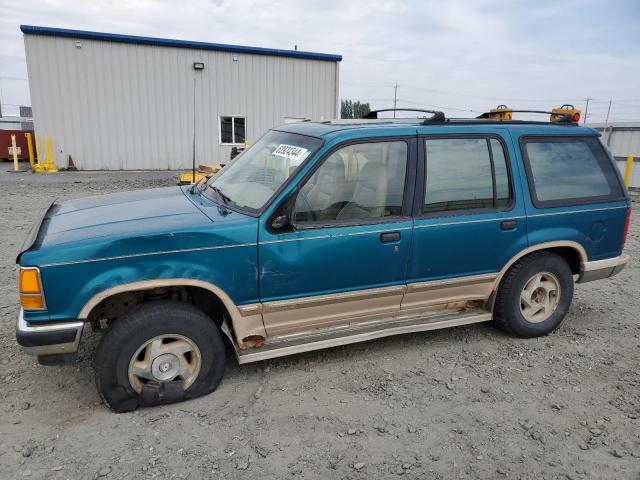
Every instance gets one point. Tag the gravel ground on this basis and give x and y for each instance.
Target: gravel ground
(468, 402)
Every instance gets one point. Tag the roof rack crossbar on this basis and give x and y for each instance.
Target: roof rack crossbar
(560, 117)
(436, 116)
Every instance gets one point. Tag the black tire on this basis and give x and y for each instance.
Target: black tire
(507, 312)
(146, 321)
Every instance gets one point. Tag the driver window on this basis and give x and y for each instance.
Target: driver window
(361, 181)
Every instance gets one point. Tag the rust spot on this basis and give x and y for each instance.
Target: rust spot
(253, 341)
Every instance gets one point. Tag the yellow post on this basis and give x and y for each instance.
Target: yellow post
(49, 164)
(30, 147)
(627, 171)
(14, 149)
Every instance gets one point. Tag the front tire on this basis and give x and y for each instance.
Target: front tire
(534, 295)
(159, 352)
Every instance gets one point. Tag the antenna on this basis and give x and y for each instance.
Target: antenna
(193, 152)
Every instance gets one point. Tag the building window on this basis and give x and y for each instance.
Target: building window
(232, 130)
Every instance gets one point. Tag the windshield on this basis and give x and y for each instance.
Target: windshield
(252, 178)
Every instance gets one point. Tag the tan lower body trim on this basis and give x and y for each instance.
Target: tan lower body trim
(319, 311)
(424, 294)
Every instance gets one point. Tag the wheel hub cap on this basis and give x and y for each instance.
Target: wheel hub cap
(540, 297)
(165, 358)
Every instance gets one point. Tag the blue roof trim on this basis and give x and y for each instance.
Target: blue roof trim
(166, 42)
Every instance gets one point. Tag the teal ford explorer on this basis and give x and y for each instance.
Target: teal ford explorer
(324, 234)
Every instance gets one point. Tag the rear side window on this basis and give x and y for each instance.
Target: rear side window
(465, 174)
(569, 171)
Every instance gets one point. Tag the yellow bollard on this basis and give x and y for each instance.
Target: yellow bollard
(627, 171)
(30, 147)
(14, 150)
(38, 157)
(49, 164)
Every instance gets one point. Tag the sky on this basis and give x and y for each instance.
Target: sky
(459, 56)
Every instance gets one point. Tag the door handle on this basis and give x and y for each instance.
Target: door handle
(508, 225)
(388, 237)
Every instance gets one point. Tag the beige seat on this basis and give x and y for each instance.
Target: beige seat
(370, 194)
(328, 190)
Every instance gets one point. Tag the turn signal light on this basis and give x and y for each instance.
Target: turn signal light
(30, 287)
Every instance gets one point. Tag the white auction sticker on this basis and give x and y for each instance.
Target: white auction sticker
(289, 151)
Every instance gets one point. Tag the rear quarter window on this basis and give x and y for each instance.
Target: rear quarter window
(569, 171)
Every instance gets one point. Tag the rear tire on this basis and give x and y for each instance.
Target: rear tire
(534, 295)
(159, 352)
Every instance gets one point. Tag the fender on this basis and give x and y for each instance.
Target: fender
(244, 324)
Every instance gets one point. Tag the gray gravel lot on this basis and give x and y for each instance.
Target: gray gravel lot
(468, 402)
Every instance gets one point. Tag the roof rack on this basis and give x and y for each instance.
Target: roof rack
(436, 116)
(565, 114)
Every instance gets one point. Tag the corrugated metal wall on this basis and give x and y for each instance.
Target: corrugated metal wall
(623, 139)
(118, 106)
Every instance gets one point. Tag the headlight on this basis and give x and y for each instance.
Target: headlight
(30, 287)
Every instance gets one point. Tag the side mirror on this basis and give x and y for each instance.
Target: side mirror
(280, 221)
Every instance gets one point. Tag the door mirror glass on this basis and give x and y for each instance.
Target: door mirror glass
(280, 221)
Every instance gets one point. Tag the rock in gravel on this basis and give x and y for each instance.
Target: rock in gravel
(104, 471)
(485, 389)
(584, 446)
(450, 386)
(618, 453)
(358, 466)
(242, 465)
(351, 431)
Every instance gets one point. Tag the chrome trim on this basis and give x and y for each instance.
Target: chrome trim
(348, 334)
(600, 269)
(577, 211)
(164, 252)
(24, 327)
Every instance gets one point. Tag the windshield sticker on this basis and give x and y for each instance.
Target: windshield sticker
(290, 151)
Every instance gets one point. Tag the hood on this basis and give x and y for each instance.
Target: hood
(131, 223)
(118, 214)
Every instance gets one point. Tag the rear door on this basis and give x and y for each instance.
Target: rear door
(469, 217)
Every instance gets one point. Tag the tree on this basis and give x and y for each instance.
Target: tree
(353, 109)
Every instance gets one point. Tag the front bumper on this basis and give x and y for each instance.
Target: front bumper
(599, 269)
(49, 339)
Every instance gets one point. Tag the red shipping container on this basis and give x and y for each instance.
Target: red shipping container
(21, 143)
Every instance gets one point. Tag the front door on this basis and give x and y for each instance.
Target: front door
(346, 258)
(469, 222)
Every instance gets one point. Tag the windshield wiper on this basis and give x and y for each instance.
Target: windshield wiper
(225, 199)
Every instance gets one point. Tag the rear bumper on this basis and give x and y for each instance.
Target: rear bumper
(599, 269)
(48, 339)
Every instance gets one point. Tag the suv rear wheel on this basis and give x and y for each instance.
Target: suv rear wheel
(535, 295)
(159, 352)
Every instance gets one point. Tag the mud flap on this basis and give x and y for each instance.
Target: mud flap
(154, 393)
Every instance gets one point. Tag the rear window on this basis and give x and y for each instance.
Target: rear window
(569, 171)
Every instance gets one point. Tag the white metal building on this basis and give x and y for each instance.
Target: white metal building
(125, 102)
(623, 139)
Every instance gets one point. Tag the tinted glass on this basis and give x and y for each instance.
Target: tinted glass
(458, 174)
(567, 170)
(502, 174)
(225, 129)
(361, 181)
(238, 130)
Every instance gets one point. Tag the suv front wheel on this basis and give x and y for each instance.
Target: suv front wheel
(534, 295)
(159, 352)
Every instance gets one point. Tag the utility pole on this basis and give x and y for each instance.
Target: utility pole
(586, 110)
(608, 112)
(395, 99)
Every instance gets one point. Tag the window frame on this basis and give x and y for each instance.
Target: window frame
(421, 183)
(233, 130)
(288, 204)
(542, 204)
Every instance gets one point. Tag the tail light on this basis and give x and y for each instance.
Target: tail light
(30, 287)
(627, 220)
